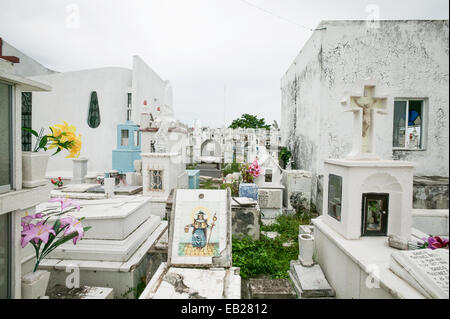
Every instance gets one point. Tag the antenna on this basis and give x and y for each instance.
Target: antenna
(224, 104)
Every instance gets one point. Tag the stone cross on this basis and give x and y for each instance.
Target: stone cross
(363, 108)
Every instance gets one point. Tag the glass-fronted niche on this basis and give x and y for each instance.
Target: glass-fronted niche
(335, 196)
(409, 124)
(5, 256)
(5, 137)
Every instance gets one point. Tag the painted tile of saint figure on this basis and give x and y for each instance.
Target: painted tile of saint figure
(200, 230)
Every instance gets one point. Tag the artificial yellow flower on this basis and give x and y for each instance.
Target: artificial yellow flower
(75, 147)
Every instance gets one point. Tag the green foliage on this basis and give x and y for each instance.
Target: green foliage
(285, 156)
(234, 187)
(231, 168)
(191, 166)
(249, 121)
(247, 177)
(263, 257)
(268, 256)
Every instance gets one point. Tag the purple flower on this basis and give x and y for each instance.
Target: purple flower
(74, 225)
(436, 242)
(37, 232)
(66, 202)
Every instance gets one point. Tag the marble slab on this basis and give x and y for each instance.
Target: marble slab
(425, 269)
(270, 198)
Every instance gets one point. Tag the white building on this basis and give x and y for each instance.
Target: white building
(120, 91)
(407, 62)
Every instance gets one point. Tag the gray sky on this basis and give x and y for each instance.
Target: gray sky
(201, 46)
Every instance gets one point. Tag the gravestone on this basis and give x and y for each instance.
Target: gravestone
(246, 217)
(199, 262)
(271, 202)
(425, 269)
(200, 230)
(297, 183)
(310, 282)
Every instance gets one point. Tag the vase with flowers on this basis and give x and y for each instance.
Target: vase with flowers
(248, 188)
(46, 232)
(34, 164)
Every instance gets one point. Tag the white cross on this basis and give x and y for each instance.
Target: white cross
(363, 108)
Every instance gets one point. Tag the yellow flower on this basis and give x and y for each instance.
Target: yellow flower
(75, 147)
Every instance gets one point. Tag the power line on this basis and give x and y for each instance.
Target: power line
(275, 15)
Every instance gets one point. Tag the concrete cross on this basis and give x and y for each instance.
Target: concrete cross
(363, 109)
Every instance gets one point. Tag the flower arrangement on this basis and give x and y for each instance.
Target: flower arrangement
(63, 136)
(249, 172)
(44, 237)
(435, 242)
(57, 182)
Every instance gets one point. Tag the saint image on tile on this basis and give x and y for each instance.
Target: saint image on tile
(201, 235)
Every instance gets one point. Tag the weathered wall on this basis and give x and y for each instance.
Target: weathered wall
(404, 59)
(300, 107)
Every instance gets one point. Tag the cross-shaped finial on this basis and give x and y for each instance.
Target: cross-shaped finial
(363, 108)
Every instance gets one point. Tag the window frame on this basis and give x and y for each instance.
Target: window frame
(11, 90)
(423, 134)
(151, 183)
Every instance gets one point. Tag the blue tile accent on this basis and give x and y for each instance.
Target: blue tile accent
(194, 178)
(248, 190)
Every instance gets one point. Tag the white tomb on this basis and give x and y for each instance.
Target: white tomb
(199, 262)
(366, 199)
(113, 253)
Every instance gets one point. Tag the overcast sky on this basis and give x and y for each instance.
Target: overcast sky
(201, 46)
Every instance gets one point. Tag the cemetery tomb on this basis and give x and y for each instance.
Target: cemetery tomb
(199, 265)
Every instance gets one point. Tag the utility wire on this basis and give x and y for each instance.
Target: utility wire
(275, 15)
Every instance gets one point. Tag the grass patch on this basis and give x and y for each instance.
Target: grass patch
(267, 256)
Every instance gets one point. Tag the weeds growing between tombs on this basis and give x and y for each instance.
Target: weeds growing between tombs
(268, 257)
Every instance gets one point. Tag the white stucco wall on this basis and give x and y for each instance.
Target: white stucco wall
(404, 59)
(27, 66)
(69, 101)
(147, 86)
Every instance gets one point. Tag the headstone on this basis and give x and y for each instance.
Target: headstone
(245, 218)
(79, 170)
(425, 269)
(200, 232)
(297, 183)
(271, 202)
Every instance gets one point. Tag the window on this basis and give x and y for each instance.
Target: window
(156, 183)
(408, 124)
(334, 196)
(5, 256)
(26, 120)
(137, 138)
(129, 107)
(5, 137)
(124, 137)
(94, 111)
(268, 175)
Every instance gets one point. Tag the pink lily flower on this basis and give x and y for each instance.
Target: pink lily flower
(28, 218)
(37, 232)
(66, 202)
(437, 242)
(74, 226)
